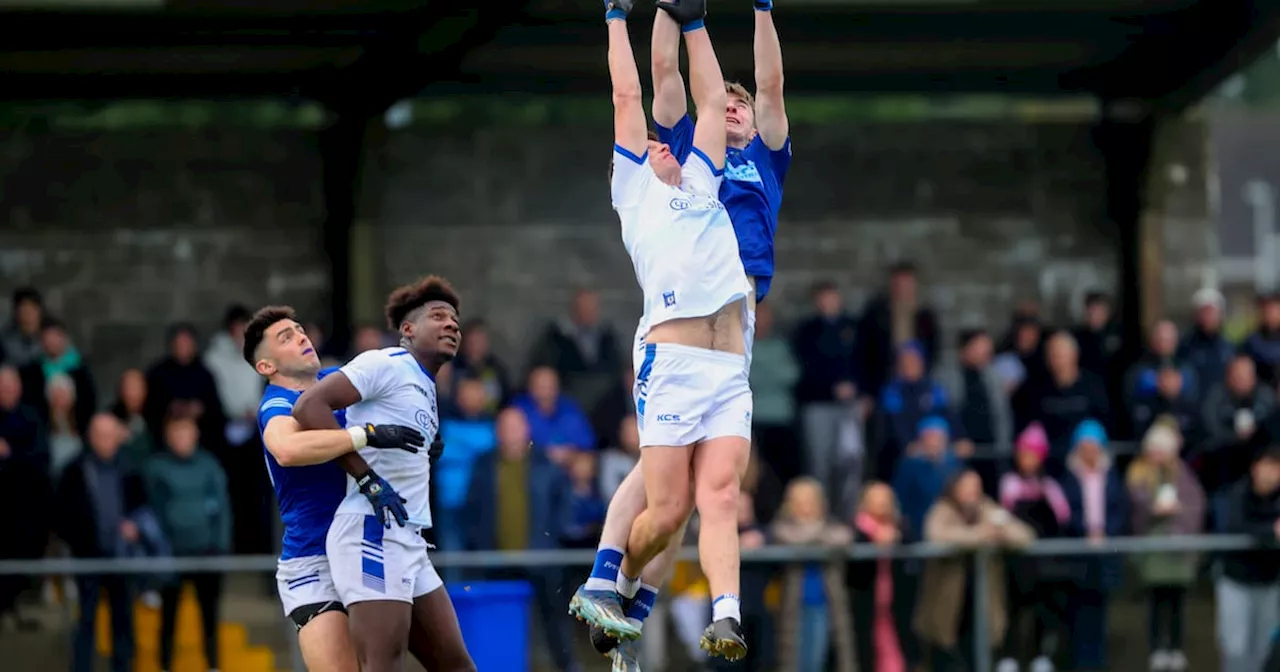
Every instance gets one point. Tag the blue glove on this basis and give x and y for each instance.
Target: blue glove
(763, 5)
(617, 9)
(383, 498)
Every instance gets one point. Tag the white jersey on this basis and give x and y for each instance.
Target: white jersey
(394, 389)
(680, 239)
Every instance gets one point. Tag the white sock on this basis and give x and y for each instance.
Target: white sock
(726, 606)
(627, 586)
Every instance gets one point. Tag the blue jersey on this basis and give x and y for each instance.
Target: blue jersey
(751, 192)
(309, 495)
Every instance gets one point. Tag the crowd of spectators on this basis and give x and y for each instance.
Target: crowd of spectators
(862, 435)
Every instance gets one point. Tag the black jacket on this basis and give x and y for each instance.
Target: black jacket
(75, 519)
(1245, 512)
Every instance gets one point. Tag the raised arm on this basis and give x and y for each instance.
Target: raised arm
(771, 111)
(629, 131)
(706, 83)
(670, 102)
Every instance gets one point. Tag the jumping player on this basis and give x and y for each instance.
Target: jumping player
(310, 483)
(756, 164)
(383, 575)
(758, 156)
(693, 401)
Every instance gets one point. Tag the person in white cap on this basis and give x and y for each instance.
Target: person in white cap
(1204, 348)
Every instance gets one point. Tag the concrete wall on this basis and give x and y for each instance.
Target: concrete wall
(127, 231)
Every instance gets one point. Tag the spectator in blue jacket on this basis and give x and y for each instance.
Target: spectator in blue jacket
(922, 474)
(557, 425)
(469, 436)
(905, 401)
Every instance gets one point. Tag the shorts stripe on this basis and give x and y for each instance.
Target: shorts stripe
(301, 579)
(295, 586)
(642, 378)
(372, 571)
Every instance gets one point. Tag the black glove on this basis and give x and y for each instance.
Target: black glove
(383, 498)
(436, 449)
(688, 13)
(617, 9)
(393, 436)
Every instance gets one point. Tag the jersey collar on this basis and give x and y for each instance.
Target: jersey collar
(425, 372)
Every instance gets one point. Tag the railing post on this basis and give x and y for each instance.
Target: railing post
(981, 625)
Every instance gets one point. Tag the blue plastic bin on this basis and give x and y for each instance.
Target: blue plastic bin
(494, 618)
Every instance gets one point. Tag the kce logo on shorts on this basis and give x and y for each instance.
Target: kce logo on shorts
(665, 418)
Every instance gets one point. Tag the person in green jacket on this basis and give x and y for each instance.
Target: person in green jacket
(187, 489)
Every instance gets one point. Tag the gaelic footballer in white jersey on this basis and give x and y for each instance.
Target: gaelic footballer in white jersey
(382, 571)
(693, 400)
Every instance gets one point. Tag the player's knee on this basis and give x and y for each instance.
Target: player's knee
(669, 515)
(718, 497)
(381, 659)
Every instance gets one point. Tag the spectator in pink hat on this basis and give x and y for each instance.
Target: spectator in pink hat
(1038, 594)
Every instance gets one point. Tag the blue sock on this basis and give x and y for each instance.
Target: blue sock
(604, 573)
(643, 603)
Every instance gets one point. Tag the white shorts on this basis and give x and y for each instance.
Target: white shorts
(684, 395)
(304, 581)
(370, 562)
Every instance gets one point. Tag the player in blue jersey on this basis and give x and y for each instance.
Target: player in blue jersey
(384, 576)
(757, 156)
(758, 141)
(307, 472)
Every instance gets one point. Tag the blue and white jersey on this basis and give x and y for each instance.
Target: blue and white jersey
(751, 191)
(680, 239)
(309, 495)
(394, 390)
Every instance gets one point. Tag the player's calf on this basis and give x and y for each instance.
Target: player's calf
(719, 464)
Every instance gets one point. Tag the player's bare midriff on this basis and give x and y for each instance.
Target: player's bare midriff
(720, 331)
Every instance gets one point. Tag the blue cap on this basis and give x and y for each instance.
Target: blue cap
(934, 422)
(1090, 430)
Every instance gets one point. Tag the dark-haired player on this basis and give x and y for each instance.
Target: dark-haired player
(307, 472)
(383, 575)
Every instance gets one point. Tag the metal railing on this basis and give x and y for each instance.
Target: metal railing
(229, 564)
(768, 555)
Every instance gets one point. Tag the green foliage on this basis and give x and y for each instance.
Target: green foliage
(128, 114)
(577, 110)
(508, 110)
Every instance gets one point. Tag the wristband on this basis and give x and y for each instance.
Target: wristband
(615, 14)
(692, 26)
(359, 438)
(764, 5)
